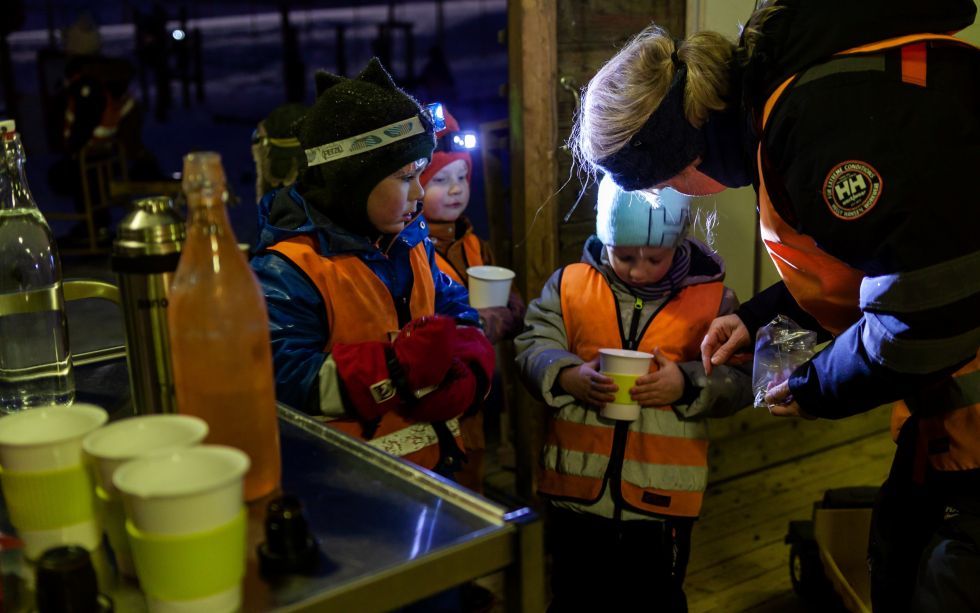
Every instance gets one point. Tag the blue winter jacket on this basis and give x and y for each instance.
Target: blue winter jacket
(297, 315)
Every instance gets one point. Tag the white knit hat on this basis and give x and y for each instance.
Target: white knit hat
(638, 219)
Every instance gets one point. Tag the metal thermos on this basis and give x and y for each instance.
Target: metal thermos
(144, 258)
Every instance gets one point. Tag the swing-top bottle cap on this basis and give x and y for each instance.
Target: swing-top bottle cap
(202, 169)
(8, 127)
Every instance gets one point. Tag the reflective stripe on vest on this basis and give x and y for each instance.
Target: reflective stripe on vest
(665, 463)
(365, 311)
(829, 290)
(472, 256)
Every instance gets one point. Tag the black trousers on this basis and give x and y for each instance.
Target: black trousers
(610, 566)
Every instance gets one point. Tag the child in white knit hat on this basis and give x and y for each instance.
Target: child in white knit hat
(625, 493)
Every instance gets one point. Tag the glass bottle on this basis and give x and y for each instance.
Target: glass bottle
(35, 360)
(219, 331)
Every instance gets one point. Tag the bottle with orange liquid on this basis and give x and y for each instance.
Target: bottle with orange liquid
(219, 331)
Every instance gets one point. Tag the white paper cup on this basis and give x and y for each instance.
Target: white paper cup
(180, 493)
(49, 491)
(114, 445)
(624, 367)
(489, 286)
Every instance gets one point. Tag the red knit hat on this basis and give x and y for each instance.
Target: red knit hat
(441, 159)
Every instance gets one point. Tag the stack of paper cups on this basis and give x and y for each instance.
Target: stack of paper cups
(186, 526)
(114, 445)
(48, 489)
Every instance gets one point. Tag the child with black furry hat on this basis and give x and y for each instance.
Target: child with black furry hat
(367, 334)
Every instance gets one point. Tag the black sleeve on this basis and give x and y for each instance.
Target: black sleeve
(772, 301)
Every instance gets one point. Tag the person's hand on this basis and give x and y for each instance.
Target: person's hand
(588, 385)
(726, 335)
(660, 388)
(781, 403)
(422, 348)
(518, 309)
(455, 394)
(497, 323)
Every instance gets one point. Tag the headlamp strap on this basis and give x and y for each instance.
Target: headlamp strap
(368, 141)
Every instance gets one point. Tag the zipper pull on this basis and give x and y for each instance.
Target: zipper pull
(638, 305)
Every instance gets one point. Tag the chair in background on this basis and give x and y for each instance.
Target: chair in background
(99, 164)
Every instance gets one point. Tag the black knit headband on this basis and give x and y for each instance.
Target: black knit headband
(665, 145)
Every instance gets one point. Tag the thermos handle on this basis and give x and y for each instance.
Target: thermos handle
(80, 289)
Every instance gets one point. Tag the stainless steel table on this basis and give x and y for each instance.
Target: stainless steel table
(389, 532)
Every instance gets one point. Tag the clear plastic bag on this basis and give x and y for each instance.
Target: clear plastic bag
(780, 346)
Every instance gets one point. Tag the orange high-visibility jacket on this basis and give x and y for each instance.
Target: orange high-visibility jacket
(360, 308)
(664, 461)
(829, 289)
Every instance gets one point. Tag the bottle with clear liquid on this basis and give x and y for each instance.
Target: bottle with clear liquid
(219, 331)
(35, 360)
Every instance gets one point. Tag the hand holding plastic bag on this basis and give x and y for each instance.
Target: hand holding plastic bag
(780, 346)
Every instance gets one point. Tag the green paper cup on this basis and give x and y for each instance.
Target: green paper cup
(119, 442)
(48, 489)
(624, 367)
(180, 508)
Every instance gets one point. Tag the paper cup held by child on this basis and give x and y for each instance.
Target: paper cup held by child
(48, 489)
(623, 367)
(112, 446)
(489, 286)
(185, 511)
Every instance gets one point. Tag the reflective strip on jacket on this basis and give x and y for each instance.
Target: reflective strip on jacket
(665, 460)
(365, 311)
(830, 290)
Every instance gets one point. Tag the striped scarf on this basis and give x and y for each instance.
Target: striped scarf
(678, 271)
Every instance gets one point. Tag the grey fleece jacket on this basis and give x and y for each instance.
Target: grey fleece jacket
(543, 352)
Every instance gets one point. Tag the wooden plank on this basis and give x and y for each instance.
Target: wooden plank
(533, 144)
(739, 561)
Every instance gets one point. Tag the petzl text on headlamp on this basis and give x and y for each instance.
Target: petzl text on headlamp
(368, 141)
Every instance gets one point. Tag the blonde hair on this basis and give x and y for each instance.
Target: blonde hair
(630, 86)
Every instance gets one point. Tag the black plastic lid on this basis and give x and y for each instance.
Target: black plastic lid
(66, 582)
(289, 548)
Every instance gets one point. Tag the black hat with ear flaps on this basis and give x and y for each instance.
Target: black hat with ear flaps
(345, 108)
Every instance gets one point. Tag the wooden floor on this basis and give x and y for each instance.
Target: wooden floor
(739, 561)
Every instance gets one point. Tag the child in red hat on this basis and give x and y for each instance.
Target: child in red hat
(447, 194)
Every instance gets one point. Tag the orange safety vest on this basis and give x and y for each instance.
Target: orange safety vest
(829, 289)
(472, 254)
(665, 461)
(360, 308)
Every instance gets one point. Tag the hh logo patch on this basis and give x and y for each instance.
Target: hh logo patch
(852, 188)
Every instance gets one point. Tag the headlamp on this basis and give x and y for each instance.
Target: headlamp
(457, 141)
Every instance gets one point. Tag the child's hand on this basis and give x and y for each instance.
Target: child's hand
(587, 385)
(660, 388)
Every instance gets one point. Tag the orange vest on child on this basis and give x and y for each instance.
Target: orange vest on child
(665, 460)
(471, 252)
(360, 308)
(828, 289)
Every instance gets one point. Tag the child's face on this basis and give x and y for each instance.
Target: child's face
(393, 202)
(639, 266)
(447, 193)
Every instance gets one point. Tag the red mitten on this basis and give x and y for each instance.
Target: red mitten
(363, 371)
(455, 395)
(473, 349)
(423, 350)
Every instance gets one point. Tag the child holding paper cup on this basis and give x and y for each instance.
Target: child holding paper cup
(459, 251)
(626, 486)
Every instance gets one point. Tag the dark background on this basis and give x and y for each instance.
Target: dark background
(243, 56)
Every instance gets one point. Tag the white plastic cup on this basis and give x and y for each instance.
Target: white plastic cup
(112, 446)
(127, 439)
(624, 367)
(185, 492)
(489, 286)
(39, 443)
